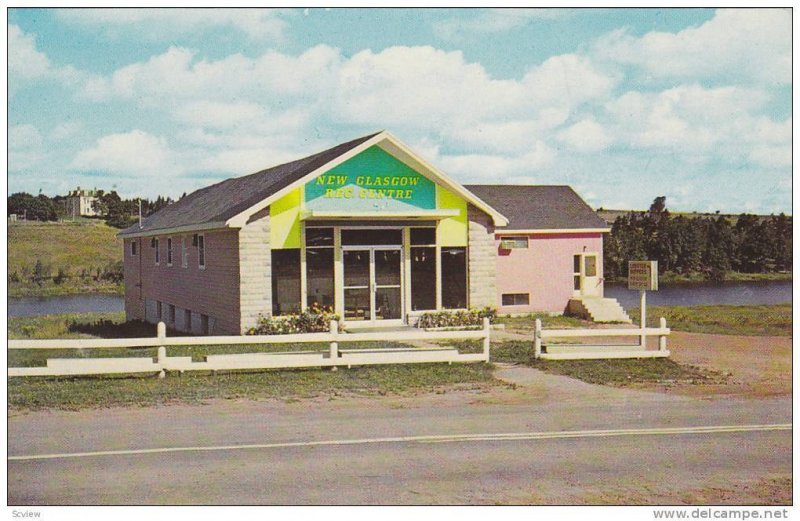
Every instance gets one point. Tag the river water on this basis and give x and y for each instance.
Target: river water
(741, 293)
(765, 292)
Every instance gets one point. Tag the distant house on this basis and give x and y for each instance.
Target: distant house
(80, 203)
(368, 228)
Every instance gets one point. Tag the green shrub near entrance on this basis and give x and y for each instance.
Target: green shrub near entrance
(472, 317)
(316, 319)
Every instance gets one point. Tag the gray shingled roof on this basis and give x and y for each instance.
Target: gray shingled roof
(226, 199)
(538, 207)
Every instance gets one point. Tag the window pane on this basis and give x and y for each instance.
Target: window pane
(285, 281)
(577, 282)
(319, 276)
(356, 304)
(387, 267)
(371, 237)
(508, 243)
(423, 236)
(576, 264)
(201, 246)
(356, 268)
(423, 278)
(590, 265)
(454, 278)
(319, 237)
(387, 303)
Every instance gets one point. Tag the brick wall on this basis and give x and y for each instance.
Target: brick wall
(134, 300)
(213, 291)
(255, 269)
(482, 259)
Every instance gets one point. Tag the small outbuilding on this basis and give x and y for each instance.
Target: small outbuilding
(368, 228)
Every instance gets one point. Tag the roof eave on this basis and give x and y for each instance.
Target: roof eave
(188, 228)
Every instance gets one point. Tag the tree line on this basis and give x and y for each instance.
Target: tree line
(708, 245)
(113, 209)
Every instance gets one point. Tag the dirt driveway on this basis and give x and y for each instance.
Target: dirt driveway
(757, 365)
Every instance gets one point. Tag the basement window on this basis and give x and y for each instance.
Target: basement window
(516, 299)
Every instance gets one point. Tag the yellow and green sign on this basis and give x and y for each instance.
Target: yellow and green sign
(372, 180)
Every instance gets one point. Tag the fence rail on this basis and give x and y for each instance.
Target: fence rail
(333, 357)
(553, 351)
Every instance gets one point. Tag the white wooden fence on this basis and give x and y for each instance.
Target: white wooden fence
(551, 351)
(333, 357)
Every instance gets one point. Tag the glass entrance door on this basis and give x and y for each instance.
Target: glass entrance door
(373, 285)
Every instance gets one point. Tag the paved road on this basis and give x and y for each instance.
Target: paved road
(455, 449)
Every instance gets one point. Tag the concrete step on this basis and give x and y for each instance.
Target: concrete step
(599, 309)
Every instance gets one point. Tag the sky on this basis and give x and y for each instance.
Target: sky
(622, 104)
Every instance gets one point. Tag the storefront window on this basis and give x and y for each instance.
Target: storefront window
(316, 237)
(285, 281)
(423, 278)
(454, 278)
(319, 276)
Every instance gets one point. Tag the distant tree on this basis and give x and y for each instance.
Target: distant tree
(659, 204)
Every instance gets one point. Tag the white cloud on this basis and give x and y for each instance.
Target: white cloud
(488, 21)
(27, 64)
(487, 168)
(737, 43)
(586, 136)
(690, 117)
(66, 130)
(25, 148)
(134, 153)
(24, 60)
(257, 24)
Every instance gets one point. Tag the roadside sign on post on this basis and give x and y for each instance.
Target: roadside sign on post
(643, 275)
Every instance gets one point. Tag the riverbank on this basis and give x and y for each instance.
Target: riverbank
(697, 278)
(50, 259)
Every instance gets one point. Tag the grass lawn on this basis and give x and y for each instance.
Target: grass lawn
(526, 322)
(195, 387)
(608, 372)
(74, 247)
(767, 320)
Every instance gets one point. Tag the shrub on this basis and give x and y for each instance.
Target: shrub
(61, 276)
(315, 319)
(472, 317)
(13, 276)
(113, 272)
(40, 272)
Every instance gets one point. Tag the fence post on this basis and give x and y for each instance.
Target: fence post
(161, 330)
(537, 338)
(334, 345)
(487, 342)
(662, 339)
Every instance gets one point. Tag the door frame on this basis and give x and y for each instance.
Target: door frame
(373, 286)
(584, 290)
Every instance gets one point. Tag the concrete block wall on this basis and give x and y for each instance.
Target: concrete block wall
(255, 269)
(482, 257)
